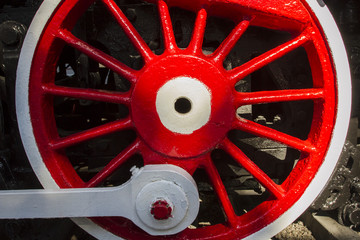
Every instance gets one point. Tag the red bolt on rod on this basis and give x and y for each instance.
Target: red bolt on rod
(161, 210)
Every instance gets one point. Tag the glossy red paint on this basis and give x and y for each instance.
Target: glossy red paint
(159, 145)
(144, 113)
(161, 210)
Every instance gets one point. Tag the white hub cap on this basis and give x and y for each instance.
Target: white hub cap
(171, 185)
(183, 105)
(166, 191)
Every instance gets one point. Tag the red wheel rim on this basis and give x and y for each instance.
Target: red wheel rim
(193, 150)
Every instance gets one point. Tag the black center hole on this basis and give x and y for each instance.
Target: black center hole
(183, 105)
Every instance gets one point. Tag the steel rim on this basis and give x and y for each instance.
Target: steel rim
(323, 96)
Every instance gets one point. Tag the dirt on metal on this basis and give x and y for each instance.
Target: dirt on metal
(295, 231)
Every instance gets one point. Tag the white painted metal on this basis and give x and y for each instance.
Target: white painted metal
(162, 190)
(193, 90)
(22, 94)
(23, 116)
(341, 122)
(131, 200)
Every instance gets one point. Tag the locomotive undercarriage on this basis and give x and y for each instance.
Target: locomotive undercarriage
(74, 69)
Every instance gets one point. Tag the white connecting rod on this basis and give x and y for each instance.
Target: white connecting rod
(133, 200)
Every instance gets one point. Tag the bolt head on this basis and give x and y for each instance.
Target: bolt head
(131, 14)
(161, 210)
(9, 35)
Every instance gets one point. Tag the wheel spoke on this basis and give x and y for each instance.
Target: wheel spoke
(253, 169)
(195, 45)
(98, 56)
(129, 30)
(247, 98)
(220, 191)
(91, 133)
(255, 64)
(169, 38)
(228, 44)
(269, 133)
(114, 164)
(88, 94)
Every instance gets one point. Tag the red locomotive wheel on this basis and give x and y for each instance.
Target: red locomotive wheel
(183, 106)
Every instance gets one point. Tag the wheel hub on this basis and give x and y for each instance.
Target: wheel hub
(187, 111)
(183, 105)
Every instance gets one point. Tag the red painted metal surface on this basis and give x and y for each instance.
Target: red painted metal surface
(159, 145)
(161, 210)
